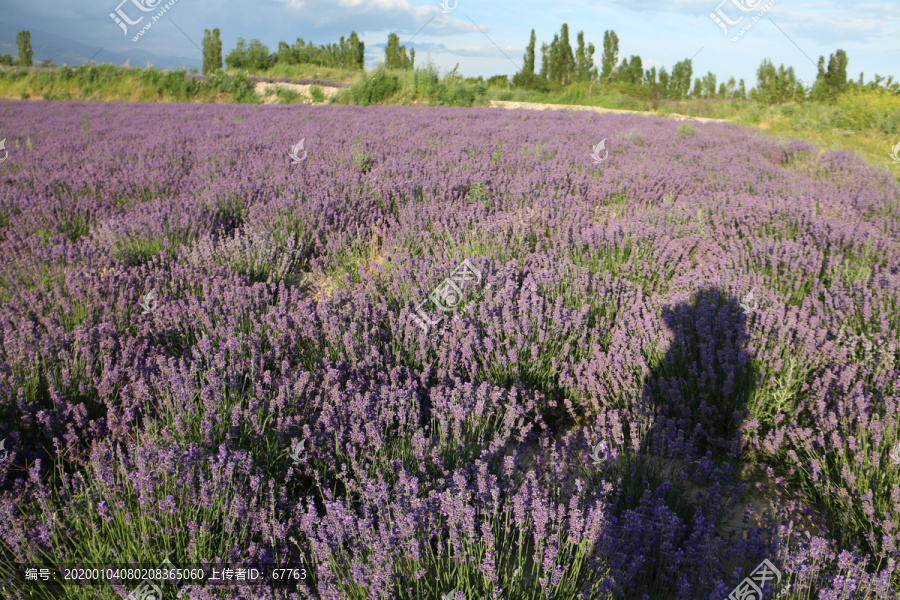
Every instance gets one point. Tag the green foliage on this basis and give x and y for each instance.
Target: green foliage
(287, 96)
(254, 57)
(860, 109)
(348, 54)
(610, 53)
(395, 55)
(584, 60)
(315, 91)
(687, 129)
(376, 88)
(212, 52)
(23, 41)
(478, 192)
(680, 84)
(498, 81)
(216, 56)
(363, 161)
(526, 77)
(776, 86)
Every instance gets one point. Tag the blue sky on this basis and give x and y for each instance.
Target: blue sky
(489, 38)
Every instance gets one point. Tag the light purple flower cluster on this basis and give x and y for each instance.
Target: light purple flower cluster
(609, 317)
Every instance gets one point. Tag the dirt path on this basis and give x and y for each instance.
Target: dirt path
(536, 106)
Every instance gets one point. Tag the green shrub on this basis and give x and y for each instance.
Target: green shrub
(375, 88)
(316, 92)
(288, 96)
(363, 161)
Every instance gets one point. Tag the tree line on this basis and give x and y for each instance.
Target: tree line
(346, 54)
(560, 66)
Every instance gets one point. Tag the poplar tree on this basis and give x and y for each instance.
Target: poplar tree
(566, 59)
(23, 40)
(216, 50)
(525, 77)
(207, 51)
(610, 53)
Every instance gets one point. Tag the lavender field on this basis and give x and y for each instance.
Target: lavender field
(444, 353)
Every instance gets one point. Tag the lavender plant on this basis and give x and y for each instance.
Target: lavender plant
(610, 324)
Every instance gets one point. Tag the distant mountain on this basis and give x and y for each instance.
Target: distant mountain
(62, 50)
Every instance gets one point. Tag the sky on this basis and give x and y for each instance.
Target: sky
(489, 38)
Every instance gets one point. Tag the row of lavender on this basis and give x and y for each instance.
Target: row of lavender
(605, 320)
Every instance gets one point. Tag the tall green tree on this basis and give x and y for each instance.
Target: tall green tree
(216, 57)
(238, 57)
(709, 85)
(566, 58)
(836, 76)
(698, 88)
(623, 72)
(206, 48)
(525, 78)
(636, 70)
(649, 81)
(730, 88)
(210, 52)
(357, 51)
(553, 68)
(579, 57)
(680, 84)
(833, 81)
(610, 54)
(392, 52)
(662, 89)
(775, 86)
(395, 55)
(545, 61)
(23, 41)
(258, 55)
